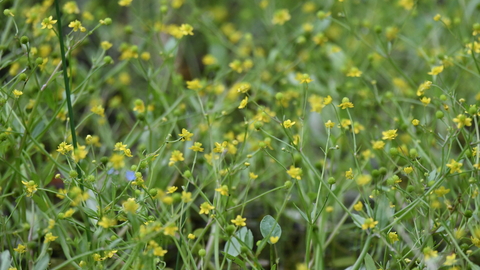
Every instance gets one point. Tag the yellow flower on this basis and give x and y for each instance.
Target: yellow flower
(124, 3)
(48, 23)
(239, 221)
(436, 70)
(170, 230)
(107, 222)
(363, 179)
(49, 237)
(295, 173)
(31, 187)
(288, 123)
(369, 223)
(98, 110)
(415, 122)
(172, 189)
(159, 251)
(345, 104)
(69, 213)
(349, 174)
(454, 166)
(406, 4)
(119, 146)
(329, 124)
(393, 237)
(462, 120)
(186, 29)
(450, 259)
(64, 148)
(475, 241)
(117, 161)
(186, 196)
(243, 103)
(219, 148)
(305, 79)
(194, 85)
(425, 101)
(20, 249)
(197, 147)
(186, 135)
(205, 208)
(429, 253)
(17, 93)
(191, 236)
(274, 239)
(424, 86)
(130, 206)
(354, 72)
(139, 106)
(378, 145)
(317, 103)
(71, 8)
(389, 134)
(358, 206)
(236, 65)
(209, 59)
(77, 25)
(79, 153)
(176, 156)
(252, 175)
(408, 169)
(441, 191)
(223, 190)
(244, 87)
(281, 16)
(437, 17)
(327, 100)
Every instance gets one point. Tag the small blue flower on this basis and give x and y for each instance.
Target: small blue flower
(130, 175)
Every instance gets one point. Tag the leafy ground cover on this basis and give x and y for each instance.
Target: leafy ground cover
(239, 134)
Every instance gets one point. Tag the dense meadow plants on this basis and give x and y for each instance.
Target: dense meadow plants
(181, 134)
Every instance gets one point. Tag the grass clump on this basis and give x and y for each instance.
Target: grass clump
(239, 135)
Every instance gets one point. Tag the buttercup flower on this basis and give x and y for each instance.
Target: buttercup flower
(455, 166)
(369, 223)
(205, 208)
(389, 134)
(20, 248)
(77, 25)
(239, 221)
(281, 16)
(288, 123)
(295, 172)
(49, 237)
(436, 70)
(48, 22)
(197, 147)
(186, 135)
(354, 72)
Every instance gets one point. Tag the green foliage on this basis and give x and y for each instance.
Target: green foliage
(169, 134)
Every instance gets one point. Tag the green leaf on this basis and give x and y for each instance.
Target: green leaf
(243, 237)
(269, 227)
(358, 220)
(235, 260)
(42, 263)
(369, 263)
(302, 213)
(5, 260)
(41, 202)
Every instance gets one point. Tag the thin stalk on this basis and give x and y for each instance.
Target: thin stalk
(67, 84)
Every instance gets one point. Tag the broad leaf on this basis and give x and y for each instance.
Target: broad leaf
(269, 227)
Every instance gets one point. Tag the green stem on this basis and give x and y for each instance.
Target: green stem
(67, 85)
